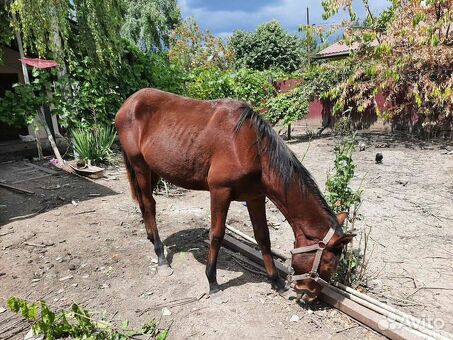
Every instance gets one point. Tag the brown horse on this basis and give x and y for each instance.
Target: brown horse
(226, 148)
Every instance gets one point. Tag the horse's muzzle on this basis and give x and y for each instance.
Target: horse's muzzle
(305, 294)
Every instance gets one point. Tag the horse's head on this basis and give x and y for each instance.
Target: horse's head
(315, 262)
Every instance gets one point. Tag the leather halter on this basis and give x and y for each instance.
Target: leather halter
(319, 248)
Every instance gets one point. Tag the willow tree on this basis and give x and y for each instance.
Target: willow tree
(148, 23)
(60, 29)
(99, 68)
(6, 34)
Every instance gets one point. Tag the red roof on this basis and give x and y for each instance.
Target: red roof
(39, 63)
(340, 48)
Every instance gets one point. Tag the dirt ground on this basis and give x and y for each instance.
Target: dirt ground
(80, 240)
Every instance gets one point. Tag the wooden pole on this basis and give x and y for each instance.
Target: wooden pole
(369, 317)
(412, 323)
(367, 311)
(27, 82)
(308, 45)
(251, 253)
(40, 114)
(10, 187)
(50, 137)
(252, 240)
(387, 307)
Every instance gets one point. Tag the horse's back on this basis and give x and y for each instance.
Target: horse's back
(152, 105)
(183, 139)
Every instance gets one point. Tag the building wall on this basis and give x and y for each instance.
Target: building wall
(11, 63)
(10, 73)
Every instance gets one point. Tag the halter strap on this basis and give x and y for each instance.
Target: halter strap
(319, 248)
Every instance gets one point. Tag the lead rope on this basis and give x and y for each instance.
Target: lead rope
(319, 248)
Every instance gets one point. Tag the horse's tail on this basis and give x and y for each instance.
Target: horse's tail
(135, 189)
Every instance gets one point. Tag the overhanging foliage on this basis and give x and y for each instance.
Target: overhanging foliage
(412, 64)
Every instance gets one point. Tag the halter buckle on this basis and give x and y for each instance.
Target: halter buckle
(313, 275)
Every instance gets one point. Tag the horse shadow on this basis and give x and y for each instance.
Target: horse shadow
(194, 241)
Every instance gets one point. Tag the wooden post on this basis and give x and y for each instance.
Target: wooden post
(40, 113)
(27, 81)
(308, 45)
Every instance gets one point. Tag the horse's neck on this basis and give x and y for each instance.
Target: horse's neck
(303, 210)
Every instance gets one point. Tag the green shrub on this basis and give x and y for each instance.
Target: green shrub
(341, 197)
(90, 87)
(253, 86)
(210, 83)
(318, 80)
(288, 107)
(18, 106)
(95, 143)
(249, 85)
(167, 75)
(78, 323)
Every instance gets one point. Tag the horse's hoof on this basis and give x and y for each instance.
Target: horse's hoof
(279, 285)
(288, 294)
(164, 270)
(218, 297)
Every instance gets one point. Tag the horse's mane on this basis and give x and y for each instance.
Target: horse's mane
(282, 160)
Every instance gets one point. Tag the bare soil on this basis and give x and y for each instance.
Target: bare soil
(80, 240)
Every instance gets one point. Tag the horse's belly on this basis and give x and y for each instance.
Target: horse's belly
(181, 169)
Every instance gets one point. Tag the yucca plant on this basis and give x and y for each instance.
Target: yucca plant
(94, 144)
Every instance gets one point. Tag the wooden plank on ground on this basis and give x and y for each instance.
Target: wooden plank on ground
(252, 240)
(31, 178)
(355, 310)
(10, 187)
(44, 169)
(376, 321)
(251, 253)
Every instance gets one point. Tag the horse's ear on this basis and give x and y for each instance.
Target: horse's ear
(343, 240)
(341, 217)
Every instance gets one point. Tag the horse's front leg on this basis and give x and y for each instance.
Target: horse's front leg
(257, 212)
(220, 203)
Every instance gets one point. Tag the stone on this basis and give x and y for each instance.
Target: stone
(166, 311)
(294, 318)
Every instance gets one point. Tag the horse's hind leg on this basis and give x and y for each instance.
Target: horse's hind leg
(147, 181)
(220, 202)
(257, 212)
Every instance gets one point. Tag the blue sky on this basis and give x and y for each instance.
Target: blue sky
(222, 17)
